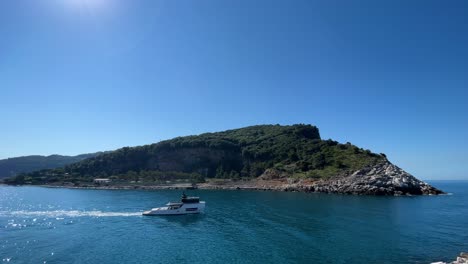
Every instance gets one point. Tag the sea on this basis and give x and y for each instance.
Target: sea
(58, 225)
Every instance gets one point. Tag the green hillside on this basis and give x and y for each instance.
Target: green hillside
(296, 151)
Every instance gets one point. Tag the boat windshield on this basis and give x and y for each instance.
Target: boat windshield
(187, 199)
(191, 200)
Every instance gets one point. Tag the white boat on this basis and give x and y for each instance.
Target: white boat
(187, 205)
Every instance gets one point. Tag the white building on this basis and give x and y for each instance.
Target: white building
(101, 180)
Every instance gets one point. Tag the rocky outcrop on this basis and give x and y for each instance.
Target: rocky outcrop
(272, 174)
(462, 259)
(382, 179)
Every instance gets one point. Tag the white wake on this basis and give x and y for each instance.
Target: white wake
(72, 213)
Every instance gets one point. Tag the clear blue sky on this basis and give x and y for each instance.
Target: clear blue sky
(79, 76)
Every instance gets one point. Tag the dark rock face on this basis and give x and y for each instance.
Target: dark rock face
(272, 174)
(381, 179)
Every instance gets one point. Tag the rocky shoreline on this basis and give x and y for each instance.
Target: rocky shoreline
(461, 259)
(381, 179)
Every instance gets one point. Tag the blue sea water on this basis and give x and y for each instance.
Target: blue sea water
(48, 225)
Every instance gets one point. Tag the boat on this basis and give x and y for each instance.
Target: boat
(187, 205)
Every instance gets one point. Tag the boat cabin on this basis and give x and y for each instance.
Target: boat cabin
(174, 206)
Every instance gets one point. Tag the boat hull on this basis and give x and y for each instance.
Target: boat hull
(152, 213)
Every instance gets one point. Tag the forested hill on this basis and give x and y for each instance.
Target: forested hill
(296, 151)
(12, 166)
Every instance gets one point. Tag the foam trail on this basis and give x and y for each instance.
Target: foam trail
(72, 213)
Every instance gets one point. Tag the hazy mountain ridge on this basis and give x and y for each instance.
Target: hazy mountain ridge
(12, 166)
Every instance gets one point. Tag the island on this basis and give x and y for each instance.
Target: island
(265, 157)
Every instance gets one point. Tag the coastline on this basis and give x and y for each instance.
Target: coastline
(384, 179)
(230, 185)
(218, 185)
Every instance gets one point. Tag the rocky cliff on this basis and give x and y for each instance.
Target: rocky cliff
(382, 179)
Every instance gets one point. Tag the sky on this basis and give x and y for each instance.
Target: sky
(79, 76)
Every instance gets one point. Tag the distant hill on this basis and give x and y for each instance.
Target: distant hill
(294, 151)
(13, 166)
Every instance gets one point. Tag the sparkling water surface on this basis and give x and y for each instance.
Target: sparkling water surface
(49, 225)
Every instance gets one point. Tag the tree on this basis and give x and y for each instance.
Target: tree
(220, 172)
(133, 176)
(319, 161)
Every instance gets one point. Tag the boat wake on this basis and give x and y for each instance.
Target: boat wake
(72, 213)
